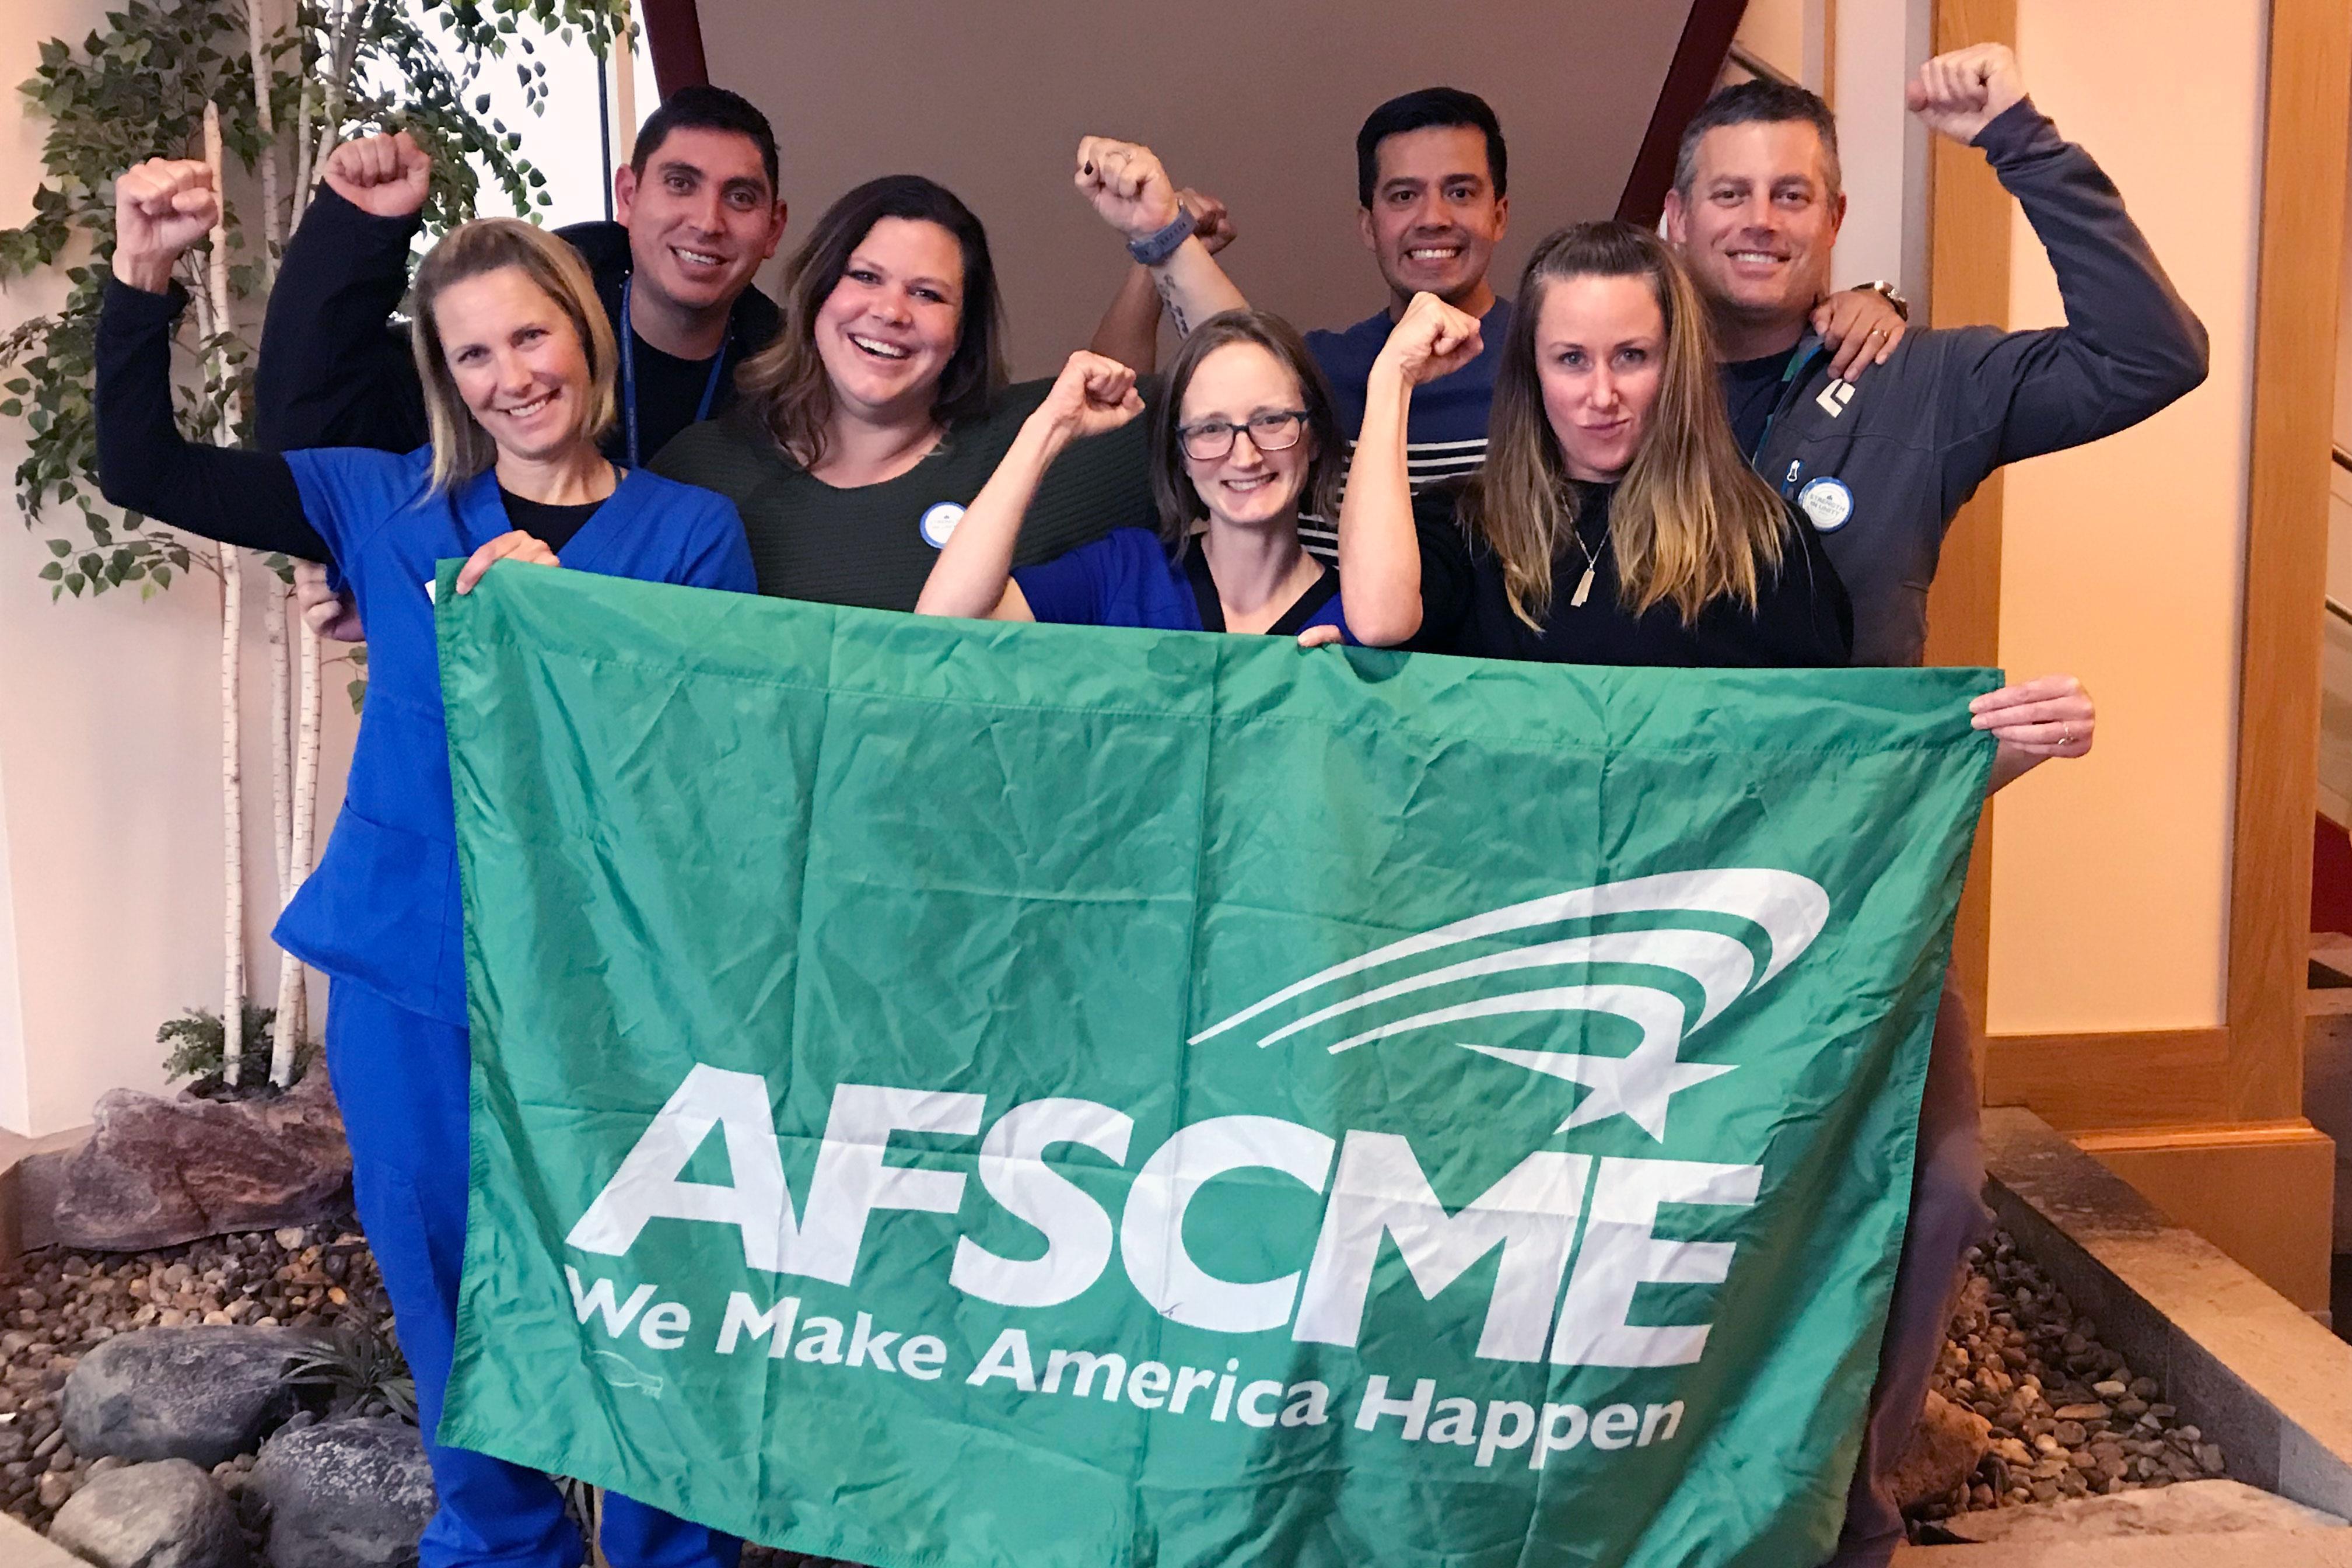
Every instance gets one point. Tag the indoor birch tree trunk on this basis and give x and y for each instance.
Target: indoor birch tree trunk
(232, 587)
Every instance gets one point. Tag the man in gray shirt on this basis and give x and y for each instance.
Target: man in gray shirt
(1881, 466)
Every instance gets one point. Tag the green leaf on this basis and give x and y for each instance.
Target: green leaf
(60, 548)
(52, 572)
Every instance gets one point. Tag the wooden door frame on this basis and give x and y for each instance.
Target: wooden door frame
(2246, 1071)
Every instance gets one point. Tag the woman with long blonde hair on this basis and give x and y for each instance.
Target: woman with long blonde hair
(517, 361)
(1614, 521)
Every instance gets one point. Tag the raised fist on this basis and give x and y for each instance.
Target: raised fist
(1127, 186)
(385, 175)
(1092, 395)
(1958, 94)
(161, 207)
(1432, 340)
(1212, 225)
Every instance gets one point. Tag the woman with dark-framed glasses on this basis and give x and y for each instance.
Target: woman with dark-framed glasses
(1242, 437)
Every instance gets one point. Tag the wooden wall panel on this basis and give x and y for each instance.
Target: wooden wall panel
(1968, 219)
(2286, 552)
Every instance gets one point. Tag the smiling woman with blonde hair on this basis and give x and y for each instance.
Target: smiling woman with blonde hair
(518, 369)
(1614, 521)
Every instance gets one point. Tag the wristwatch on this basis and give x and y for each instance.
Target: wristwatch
(1893, 296)
(1162, 243)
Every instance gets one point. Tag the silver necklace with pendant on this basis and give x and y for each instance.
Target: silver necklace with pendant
(1591, 566)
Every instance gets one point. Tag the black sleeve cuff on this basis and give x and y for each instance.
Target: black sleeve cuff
(358, 228)
(129, 309)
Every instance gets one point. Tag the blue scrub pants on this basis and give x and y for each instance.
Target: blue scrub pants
(401, 1081)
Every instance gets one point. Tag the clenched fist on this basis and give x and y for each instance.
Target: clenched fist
(1433, 339)
(161, 207)
(1958, 94)
(385, 175)
(1093, 395)
(1125, 185)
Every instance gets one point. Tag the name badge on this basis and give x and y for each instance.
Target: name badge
(1827, 502)
(940, 522)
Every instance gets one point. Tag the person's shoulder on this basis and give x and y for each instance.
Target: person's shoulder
(602, 245)
(1016, 402)
(354, 471)
(1350, 345)
(727, 454)
(1447, 502)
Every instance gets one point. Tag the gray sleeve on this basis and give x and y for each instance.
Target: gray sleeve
(2130, 345)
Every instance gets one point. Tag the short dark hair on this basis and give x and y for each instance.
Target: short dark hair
(1430, 108)
(1752, 103)
(706, 108)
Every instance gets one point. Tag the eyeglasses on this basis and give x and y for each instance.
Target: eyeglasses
(1213, 439)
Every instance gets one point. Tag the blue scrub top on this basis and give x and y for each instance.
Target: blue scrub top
(381, 909)
(1126, 579)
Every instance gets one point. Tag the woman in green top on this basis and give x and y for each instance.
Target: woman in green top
(864, 431)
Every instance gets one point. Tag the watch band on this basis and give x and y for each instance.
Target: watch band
(1160, 244)
(1893, 296)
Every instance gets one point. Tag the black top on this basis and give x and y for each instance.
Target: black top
(1801, 617)
(875, 544)
(670, 389)
(237, 496)
(335, 372)
(1290, 623)
(1750, 388)
(552, 526)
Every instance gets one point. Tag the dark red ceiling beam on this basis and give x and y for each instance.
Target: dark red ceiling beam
(673, 38)
(1699, 62)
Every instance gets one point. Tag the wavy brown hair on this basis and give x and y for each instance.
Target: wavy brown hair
(785, 383)
(1691, 523)
(461, 448)
(1180, 503)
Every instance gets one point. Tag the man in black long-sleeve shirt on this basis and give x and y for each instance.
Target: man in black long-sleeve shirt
(698, 214)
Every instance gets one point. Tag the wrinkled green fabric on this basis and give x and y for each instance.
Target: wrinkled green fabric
(774, 852)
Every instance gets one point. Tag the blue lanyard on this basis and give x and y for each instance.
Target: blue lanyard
(1798, 357)
(629, 377)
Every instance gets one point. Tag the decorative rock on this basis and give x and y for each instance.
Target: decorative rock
(1945, 1448)
(156, 1171)
(168, 1514)
(345, 1494)
(2192, 1508)
(196, 1394)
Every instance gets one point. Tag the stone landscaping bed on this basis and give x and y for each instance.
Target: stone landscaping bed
(154, 1386)
(2048, 1413)
(150, 1380)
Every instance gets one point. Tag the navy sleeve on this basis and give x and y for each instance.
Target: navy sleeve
(2130, 344)
(333, 372)
(1068, 589)
(240, 498)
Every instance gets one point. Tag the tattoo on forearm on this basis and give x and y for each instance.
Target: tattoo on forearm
(1167, 286)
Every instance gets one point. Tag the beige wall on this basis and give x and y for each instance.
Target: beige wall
(992, 101)
(110, 755)
(2121, 562)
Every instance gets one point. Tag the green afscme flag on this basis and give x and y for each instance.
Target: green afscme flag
(966, 1095)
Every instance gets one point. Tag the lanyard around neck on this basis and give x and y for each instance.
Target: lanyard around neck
(629, 377)
(1798, 357)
